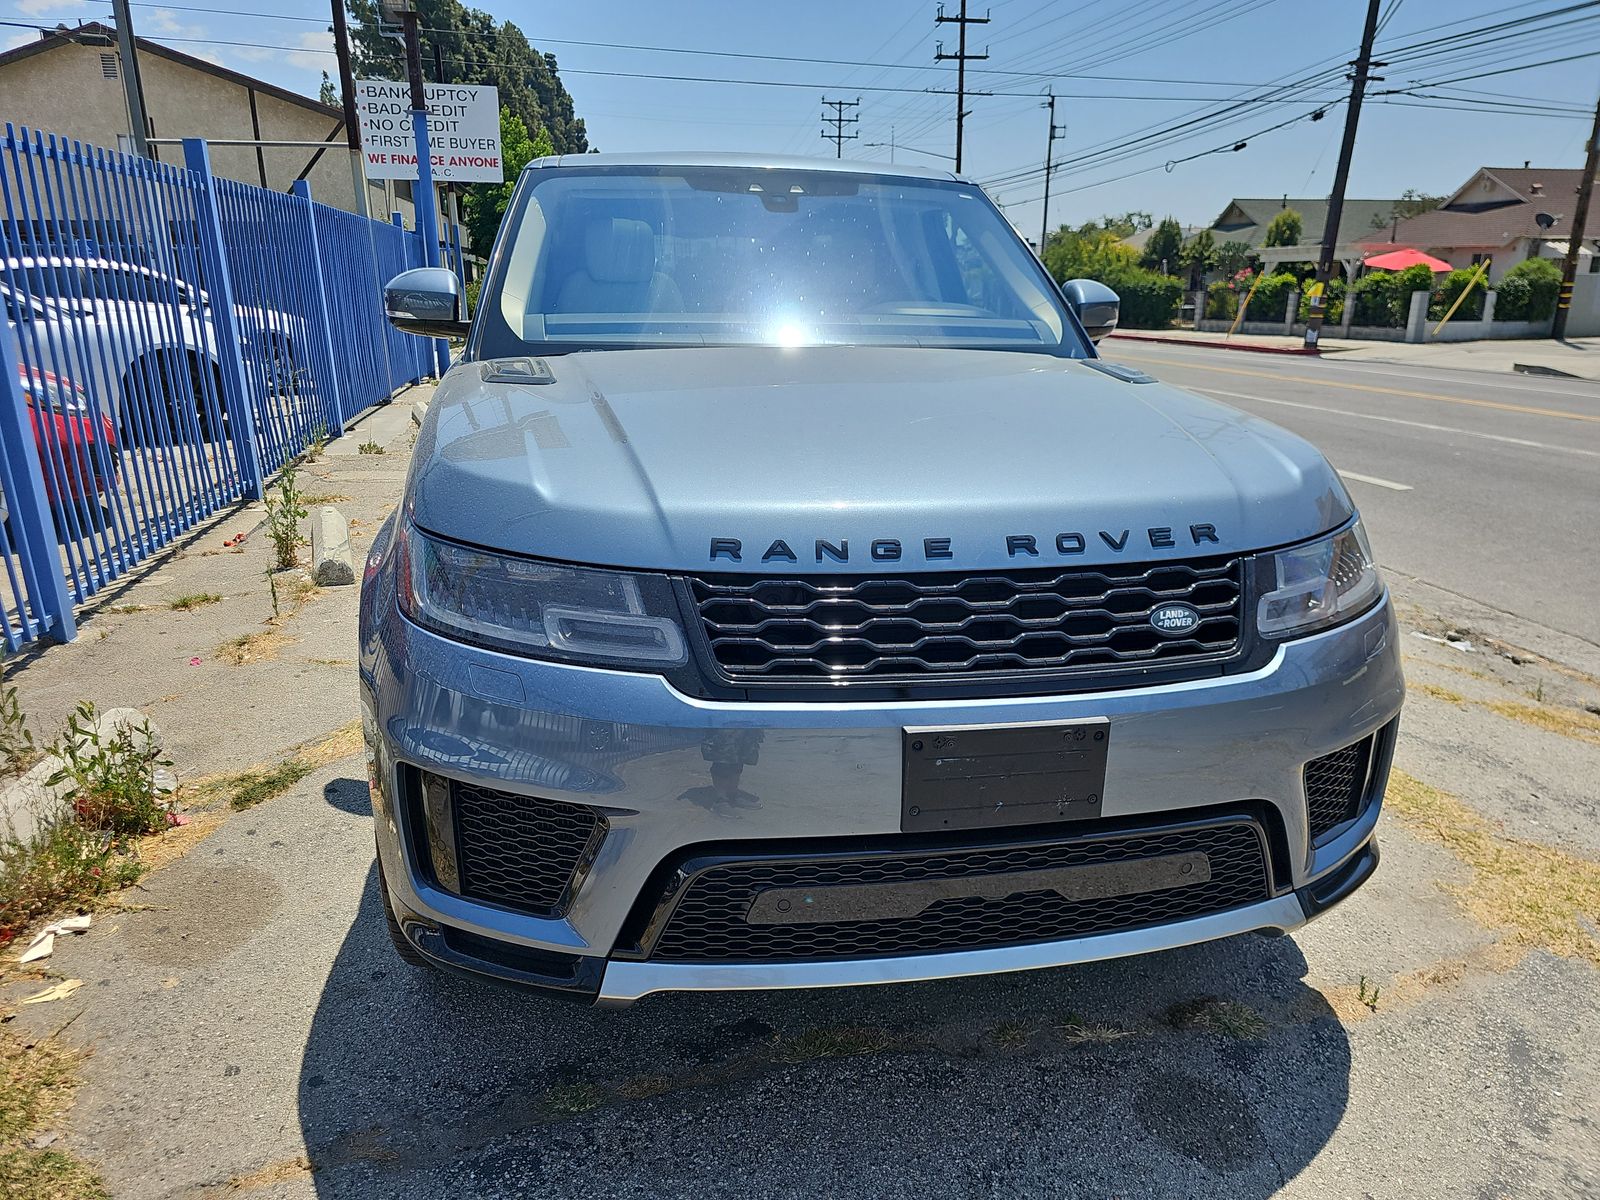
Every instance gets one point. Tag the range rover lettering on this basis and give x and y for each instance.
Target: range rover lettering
(786, 593)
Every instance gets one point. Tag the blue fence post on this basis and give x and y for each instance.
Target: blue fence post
(225, 320)
(336, 413)
(29, 506)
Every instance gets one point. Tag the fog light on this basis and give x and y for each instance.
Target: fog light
(439, 818)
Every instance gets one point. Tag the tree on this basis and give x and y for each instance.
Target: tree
(1284, 229)
(476, 49)
(1199, 257)
(1233, 257)
(1162, 250)
(328, 94)
(485, 204)
(1412, 203)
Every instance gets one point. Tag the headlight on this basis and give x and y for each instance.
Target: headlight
(537, 608)
(1319, 584)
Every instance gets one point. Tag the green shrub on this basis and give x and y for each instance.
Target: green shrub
(1272, 297)
(1333, 311)
(1150, 300)
(1224, 295)
(472, 290)
(1383, 298)
(111, 778)
(1450, 289)
(1528, 291)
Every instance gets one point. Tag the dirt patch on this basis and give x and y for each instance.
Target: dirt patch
(205, 914)
(1538, 895)
(267, 1176)
(1359, 1001)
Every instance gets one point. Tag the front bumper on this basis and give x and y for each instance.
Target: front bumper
(635, 749)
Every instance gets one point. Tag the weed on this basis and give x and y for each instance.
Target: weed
(1439, 693)
(317, 441)
(644, 1087)
(36, 1083)
(253, 787)
(1540, 894)
(1011, 1035)
(252, 647)
(272, 589)
(194, 600)
(316, 499)
(369, 447)
(64, 865)
(1538, 693)
(1213, 1015)
(16, 740)
(571, 1099)
(1078, 1031)
(285, 511)
(845, 1041)
(1367, 993)
(110, 779)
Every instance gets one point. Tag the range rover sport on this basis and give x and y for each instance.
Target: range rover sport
(786, 593)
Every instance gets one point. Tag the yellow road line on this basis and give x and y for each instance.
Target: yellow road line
(1381, 391)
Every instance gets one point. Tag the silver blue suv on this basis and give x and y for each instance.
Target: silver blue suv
(787, 594)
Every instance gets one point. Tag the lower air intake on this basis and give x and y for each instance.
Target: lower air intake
(963, 899)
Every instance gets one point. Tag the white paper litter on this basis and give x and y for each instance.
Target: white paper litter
(44, 942)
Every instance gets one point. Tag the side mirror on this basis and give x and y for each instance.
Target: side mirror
(1097, 306)
(425, 301)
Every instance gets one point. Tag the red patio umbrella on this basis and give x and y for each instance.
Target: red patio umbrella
(1399, 260)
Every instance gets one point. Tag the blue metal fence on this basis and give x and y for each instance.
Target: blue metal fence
(173, 339)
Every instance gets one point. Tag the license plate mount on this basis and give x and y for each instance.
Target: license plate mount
(987, 776)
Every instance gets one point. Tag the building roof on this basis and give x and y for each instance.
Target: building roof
(1246, 219)
(93, 33)
(1498, 206)
(1138, 240)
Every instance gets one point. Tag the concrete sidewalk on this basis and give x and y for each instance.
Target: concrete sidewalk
(1577, 357)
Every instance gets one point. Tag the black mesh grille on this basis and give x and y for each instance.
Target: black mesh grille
(709, 922)
(519, 851)
(883, 627)
(1334, 784)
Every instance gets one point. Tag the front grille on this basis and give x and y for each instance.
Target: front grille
(1335, 784)
(881, 628)
(710, 921)
(520, 851)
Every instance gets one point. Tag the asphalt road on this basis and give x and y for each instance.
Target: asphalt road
(1485, 485)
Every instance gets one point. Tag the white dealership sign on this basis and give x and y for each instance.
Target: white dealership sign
(463, 131)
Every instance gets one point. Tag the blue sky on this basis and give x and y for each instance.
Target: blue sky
(1158, 63)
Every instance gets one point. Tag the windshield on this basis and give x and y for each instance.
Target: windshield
(625, 257)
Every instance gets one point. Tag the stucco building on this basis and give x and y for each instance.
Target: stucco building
(69, 83)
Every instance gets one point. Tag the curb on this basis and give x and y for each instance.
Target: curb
(1301, 351)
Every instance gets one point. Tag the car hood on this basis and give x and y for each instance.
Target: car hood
(746, 459)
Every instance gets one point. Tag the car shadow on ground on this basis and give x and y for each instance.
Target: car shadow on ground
(1209, 1070)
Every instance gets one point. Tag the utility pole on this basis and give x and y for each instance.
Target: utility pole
(1352, 118)
(1580, 219)
(839, 137)
(132, 86)
(1049, 145)
(961, 58)
(347, 90)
